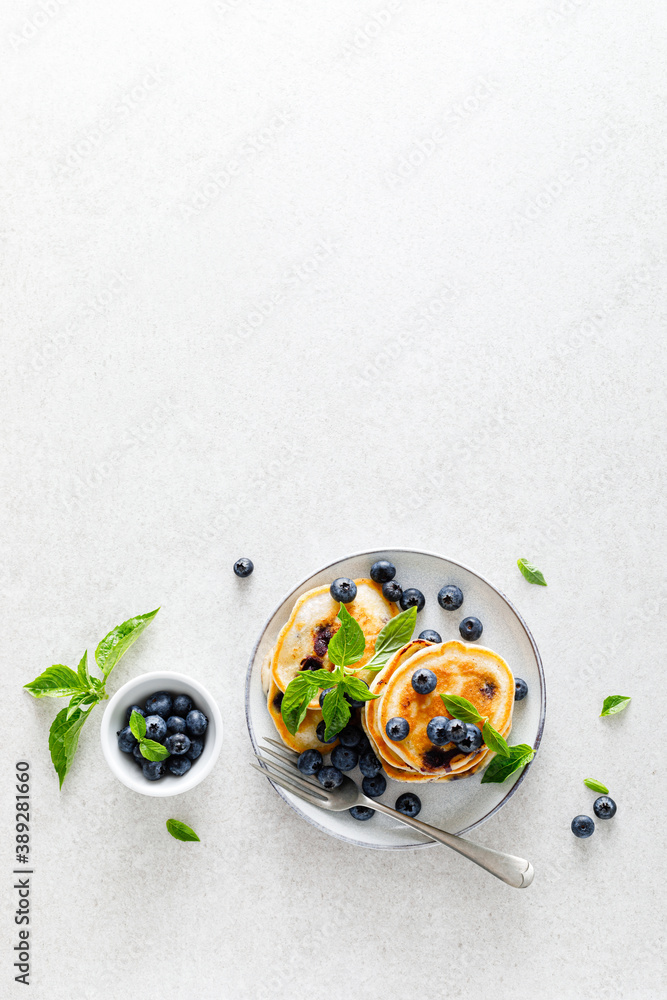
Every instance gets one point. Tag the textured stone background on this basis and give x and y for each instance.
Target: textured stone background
(290, 280)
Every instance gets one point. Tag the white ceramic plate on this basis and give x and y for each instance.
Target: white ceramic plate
(456, 806)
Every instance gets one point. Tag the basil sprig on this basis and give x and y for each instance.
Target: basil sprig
(501, 768)
(150, 749)
(83, 690)
(509, 758)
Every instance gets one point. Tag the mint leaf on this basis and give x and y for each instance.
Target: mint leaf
(597, 786)
(82, 672)
(335, 711)
(300, 691)
(357, 690)
(118, 641)
(57, 681)
(461, 708)
(152, 750)
(181, 831)
(501, 768)
(138, 725)
(392, 637)
(531, 573)
(347, 645)
(494, 741)
(614, 704)
(64, 739)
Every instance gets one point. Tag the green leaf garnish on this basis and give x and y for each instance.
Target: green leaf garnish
(300, 692)
(82, 672)
(347, 645)
(392, 637)
(80, 701)
(597, 786)
(118, 641)
(57, 681)
(335, 711)
(64, 738)
(531, 573)
(357, 690)
(614, 704)
(461, 708)
(494, 741)
(152, 750)
(138, 725)
(181, 831)
(501, 768)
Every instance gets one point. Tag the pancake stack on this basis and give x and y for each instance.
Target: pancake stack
(470, 671)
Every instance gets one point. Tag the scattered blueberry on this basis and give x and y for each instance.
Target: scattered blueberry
(457, 731)
(243, 567)
(472, 740)
(159, 704)
(156, 728)
(424, 681)
(126, 740)
(450, 597)
(372, 787)
(310, 762)
(178, 744)
(604, 807)
(369, 764)
(583, 826)
(438, 731)
(409, 804)
(154, 769)
(520, 689)
(323, 695)
(352, 702)
(343, 590)
(196, 722)
(321, 726)
(196, 747)
(175, 724)
(350, 736)
(412, 598)
(344, 758)
(397, 729)
(131, 709)
(383, 571)
(471, 628)
(430, 635)
(179, 765)
(361, 812)
(392, 591)
(330, 777)
(182, 705)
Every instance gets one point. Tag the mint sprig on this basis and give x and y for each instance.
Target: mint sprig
(531, 573)
(614, 704)
(83, 690)
(508, 759)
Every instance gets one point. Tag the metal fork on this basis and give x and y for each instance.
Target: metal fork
(514, 871)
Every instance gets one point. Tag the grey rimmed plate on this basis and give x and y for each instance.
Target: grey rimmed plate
(456, 806)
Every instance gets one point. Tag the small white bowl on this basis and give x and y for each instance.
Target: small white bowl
(135, 692)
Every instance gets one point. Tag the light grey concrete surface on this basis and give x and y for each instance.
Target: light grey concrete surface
(291, 280)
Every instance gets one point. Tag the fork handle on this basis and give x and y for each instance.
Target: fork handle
(514, 871)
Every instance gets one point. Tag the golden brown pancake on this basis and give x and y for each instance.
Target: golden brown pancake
(305, 737)
(369, 715)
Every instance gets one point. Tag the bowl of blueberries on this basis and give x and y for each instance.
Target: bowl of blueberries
(174, 739)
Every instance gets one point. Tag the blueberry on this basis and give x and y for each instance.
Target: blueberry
(175, 724)
(344, 758)
(321, 726)
(457, 731)
(369, 764)
(179, 765)
(178, 744)
(412, 598)
(430, 635)
(243, 567)
(409, 804)
(604, 807)
(364, 744)
(352, 702)
(154, 769)
(131, 709)
(196, 747)
(383, 571)
(126, 740)
(583, 826)
(330, 777)
(159, 704)
(471, 628)
(372, 787)
(343, 590)
(196, 722)
(397, 729)
(438, 731)
(450, 597)
(424, 681)
(520, 689)
(137, 754)
(350, 736)
(182, 705)
(323, 695)
(156, 728)
(310, 762)
(361, 812)
(392, 591)
(472, 740)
